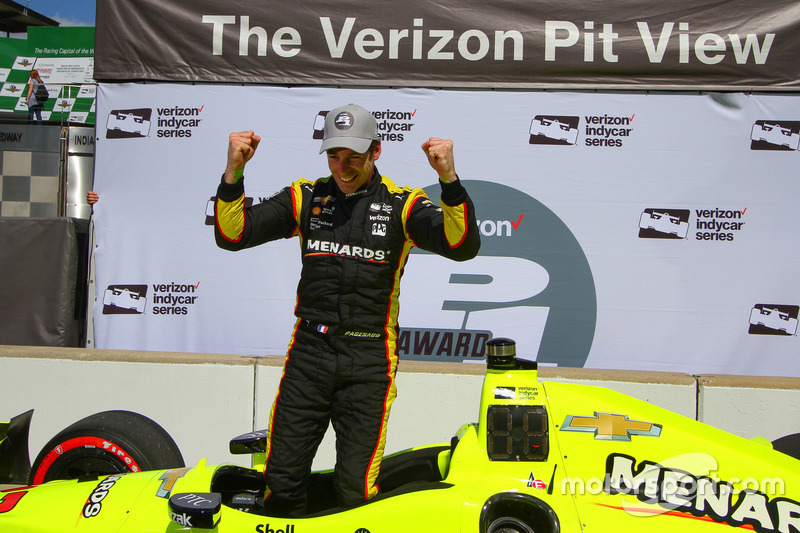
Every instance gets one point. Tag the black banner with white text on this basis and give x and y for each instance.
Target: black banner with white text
(630, 44)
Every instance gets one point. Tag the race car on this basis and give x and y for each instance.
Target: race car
(542, 457)
(773, 318)
(552, 128)
(128, 122)
(124, 299)
(664, 222)
(775, 134)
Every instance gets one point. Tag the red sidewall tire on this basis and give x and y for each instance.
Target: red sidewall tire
(106, 443)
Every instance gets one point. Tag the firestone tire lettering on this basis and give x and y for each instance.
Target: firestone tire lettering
(111, 442)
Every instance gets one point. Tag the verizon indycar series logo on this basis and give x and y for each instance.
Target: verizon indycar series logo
(775, 135)
(168, 122)
(600, 131)
(167, 299)
(715, 224)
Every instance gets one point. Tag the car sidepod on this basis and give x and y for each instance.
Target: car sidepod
(95, 503)
(569, 457)
(640, 467)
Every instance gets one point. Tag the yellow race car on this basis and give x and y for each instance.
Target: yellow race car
(543, 457)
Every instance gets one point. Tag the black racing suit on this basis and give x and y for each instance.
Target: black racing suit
(341, 361)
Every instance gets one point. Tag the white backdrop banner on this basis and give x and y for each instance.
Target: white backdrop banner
(636, 231)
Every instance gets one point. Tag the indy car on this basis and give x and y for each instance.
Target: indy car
(776, 134)
(124, 299)
(552, 128)
(663, 222)
(542, 457)
(773, 318)
(128, 122)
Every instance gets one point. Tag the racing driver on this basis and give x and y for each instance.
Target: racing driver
(356, 229)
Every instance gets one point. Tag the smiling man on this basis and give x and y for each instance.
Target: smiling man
(356, 229)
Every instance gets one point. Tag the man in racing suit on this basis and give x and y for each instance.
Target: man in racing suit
(356, 229)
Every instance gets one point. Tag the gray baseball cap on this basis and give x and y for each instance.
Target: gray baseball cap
(349, 126)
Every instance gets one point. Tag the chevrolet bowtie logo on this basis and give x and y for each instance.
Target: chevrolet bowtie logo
(608, 426)
(323, 200)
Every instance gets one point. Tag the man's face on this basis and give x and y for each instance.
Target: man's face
(350, 169)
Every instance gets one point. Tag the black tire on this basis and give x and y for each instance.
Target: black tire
(789, 444)
(509, 524)
(110, 442)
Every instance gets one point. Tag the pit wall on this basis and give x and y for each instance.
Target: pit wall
(204, 400)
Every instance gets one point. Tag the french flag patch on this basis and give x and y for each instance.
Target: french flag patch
(322, 328)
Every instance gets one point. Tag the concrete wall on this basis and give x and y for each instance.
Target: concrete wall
(204, 400)
(747, 406)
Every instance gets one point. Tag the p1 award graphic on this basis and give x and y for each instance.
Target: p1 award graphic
(531, 281)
